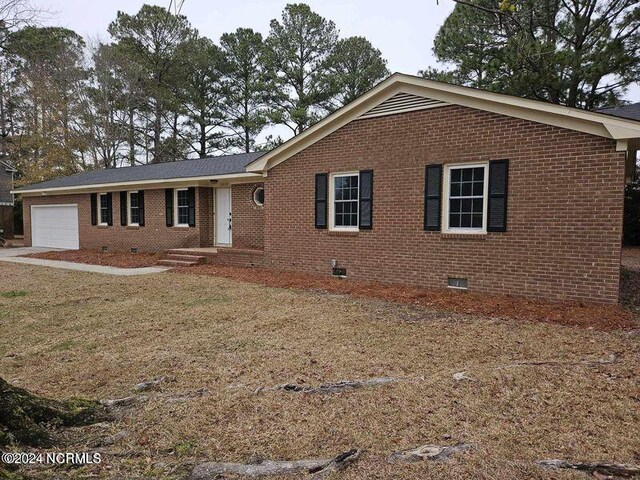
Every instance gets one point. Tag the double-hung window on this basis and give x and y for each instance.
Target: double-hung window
(466, 199)
(103, 209)
(182, 207)
(344, 188)
(134, 209)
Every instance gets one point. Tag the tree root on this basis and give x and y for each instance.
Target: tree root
(614, 469)
(319, 467)
(427, 452)
(333, 387)
(588, 363)
(26, 418)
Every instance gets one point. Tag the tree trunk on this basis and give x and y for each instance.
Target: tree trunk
(24, 417)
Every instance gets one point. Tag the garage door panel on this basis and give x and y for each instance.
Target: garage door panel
(55, 226)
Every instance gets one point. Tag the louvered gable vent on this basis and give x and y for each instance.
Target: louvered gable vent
(402, 102)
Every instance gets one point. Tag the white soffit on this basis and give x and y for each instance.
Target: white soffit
(402, 102)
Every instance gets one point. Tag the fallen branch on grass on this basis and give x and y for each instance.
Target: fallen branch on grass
(427, 452)
(589, 363)
(149, 384)
(320, 467)
(615, 469)
(339, 462)
(333, 387)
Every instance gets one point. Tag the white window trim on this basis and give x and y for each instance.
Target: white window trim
(445, 196)
(332, 194)
(175, 208)
(129, 209)
(99, 206)
(255, 196)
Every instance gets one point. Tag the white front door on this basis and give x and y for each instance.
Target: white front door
(223, 216)
(55, 226)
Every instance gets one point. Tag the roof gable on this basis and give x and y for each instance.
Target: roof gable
(402, 102)
(402, 93)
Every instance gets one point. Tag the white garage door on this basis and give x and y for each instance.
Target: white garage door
(55, 226)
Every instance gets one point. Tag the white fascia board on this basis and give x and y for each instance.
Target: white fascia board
(160, 183)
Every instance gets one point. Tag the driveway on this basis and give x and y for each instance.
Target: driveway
(16, 252)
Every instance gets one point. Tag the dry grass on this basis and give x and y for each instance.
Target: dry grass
(96, 336)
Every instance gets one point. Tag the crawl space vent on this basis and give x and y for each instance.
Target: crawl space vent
(457, 283)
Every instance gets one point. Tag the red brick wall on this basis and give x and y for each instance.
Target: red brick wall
(154, 236)
(248, 218)
(564, 208)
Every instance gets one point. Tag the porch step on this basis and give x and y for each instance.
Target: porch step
(175, 263)
(181, 260)
(184, 257)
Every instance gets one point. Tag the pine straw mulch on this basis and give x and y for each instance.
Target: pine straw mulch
(583, 315)
(110, 259)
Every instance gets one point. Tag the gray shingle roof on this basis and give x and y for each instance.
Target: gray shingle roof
(201, 167)
(626, 111)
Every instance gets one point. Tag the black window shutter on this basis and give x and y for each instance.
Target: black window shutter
(498, 186)
(168, 203)
(141, 207)
(192, 206)
(366, 199)
(432, 197)
(123, 208)
(109, 209)
(321, 200)
(94, 209)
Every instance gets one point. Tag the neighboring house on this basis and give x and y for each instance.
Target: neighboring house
(6, 199)
(415, 182)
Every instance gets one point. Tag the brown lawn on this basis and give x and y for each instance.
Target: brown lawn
(65, 334)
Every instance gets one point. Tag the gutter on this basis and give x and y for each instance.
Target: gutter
(124, 185)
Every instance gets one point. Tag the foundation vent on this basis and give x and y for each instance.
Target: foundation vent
(459, 283)
(339, 272)
(402, 102)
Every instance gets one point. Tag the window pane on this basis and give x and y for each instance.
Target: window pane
(183, 198)
(133, 200)
(466, 202)
(183, 215)
(345, 204)
(135, 215)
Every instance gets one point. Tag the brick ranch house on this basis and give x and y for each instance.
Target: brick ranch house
(415, 182)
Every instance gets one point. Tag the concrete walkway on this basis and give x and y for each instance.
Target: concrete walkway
(12, 255)
(16, 252)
